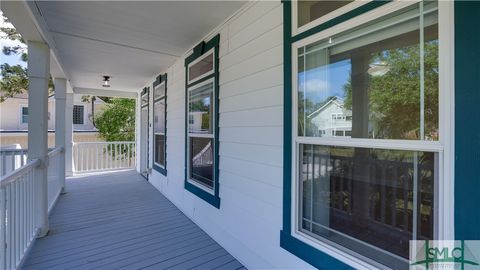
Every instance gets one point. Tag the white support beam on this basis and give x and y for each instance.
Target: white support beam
(60, 124)
(104, 92)
(38, 76)
(69, 134)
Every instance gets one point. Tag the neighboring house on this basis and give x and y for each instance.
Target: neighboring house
(14, 120)
(332, 119)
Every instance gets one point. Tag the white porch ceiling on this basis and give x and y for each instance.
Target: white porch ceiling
(129, 40)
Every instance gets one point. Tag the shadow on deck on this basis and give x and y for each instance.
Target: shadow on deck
(119, 221)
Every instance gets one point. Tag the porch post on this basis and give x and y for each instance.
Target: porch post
(60, 124)
(68, 135)
(38, 76)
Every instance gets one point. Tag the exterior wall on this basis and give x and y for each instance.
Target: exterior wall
(10, 114)
(249, 220)
(10, 120)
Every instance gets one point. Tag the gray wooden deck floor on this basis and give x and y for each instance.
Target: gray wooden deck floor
(119, 221)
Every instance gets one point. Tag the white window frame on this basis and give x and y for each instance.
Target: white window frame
(444, 189)
(159, 133)
(207, 53)
(340, 11)
(201, 135)
(21, 114)
(84, 113)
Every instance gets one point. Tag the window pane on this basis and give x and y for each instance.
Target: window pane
(201, 67)
(159, 91)
(356, 197)
(78, 114)
(312, 10)
(200, 109)
(24, 115)
(159, 116)
(160, 149)
(374, 77)
(201, 161)
(144, 99)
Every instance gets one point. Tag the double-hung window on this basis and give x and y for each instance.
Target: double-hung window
(24, 114)
(373, 185)
(159, 123)
(202, 122)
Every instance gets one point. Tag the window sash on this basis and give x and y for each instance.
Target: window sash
(441, 147)
(202, 135)
(327, 17)
(324, 36)
(157, 100)
(204, 75)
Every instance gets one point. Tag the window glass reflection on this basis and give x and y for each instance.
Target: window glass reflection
(370, 82)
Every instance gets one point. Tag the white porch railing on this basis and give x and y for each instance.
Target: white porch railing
(54, 176)
(18, 215)
(12, 159)
(103, 156)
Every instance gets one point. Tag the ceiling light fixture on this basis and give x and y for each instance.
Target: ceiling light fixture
(106, 80)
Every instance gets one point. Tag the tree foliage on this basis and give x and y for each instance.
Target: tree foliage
(14, 79)
(394, 98)
(117, 121)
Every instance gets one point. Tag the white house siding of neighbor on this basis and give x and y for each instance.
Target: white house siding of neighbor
(321, 134)
(14, 120)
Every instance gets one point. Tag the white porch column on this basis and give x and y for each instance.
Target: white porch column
(38, 76)
(69, 135)
(60, 124)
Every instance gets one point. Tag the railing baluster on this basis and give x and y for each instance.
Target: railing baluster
(383, 194)
(394, 195)
(405, 201)
(3, 229)
(10, 240)
(15, 221)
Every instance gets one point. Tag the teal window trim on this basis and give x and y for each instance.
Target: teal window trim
(467, 143)
(199, 51)
(159, 80)
(288, 242)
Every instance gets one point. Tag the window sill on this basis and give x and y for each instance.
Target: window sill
(202, 194)
(160, 169)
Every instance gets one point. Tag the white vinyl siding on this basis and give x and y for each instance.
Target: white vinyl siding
(249, 220)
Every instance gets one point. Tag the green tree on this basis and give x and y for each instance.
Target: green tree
(14, 79)
(117, 121)
(394, 98)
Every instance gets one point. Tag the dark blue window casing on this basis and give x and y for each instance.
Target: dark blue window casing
(208, 178)
(163, 141)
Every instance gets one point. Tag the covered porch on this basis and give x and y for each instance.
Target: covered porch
(117, 220)
(86, 205)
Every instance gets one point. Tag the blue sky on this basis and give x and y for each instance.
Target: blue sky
(12, 59)
(326, 81)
